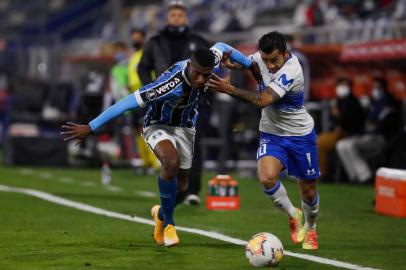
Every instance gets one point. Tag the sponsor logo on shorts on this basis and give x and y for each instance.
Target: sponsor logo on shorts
(311, 171)
(156, 135)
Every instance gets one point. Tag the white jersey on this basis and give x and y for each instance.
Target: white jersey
(287, 116)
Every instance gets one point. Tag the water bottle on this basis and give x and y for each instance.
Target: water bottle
(105, 174)
(223, 188)
(212, 188)
(233, 188)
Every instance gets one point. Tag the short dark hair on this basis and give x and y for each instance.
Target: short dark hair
(343, 79)
(382, 82)
(137, 30)
(176, 5)
(272, 41)
(204, 57)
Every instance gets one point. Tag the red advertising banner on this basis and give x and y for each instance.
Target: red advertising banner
(377, 50)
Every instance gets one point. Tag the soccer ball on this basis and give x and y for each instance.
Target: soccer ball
(264, 249)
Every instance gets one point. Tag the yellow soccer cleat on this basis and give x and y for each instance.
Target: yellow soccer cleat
(296, 227)
(159, 226)
(310, 240)
(170, 237)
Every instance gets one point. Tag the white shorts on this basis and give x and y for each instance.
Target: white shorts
(182, 138)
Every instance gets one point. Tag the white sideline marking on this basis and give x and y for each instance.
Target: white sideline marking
(45, 175)
(87, 184)
(114, 188)
(65, 179)
(26, 171)
(147, 194)
(99, 211)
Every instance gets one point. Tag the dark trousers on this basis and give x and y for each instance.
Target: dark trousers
(195, 174)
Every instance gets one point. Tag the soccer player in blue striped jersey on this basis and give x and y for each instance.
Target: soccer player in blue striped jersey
(169, 127)
(287, 135)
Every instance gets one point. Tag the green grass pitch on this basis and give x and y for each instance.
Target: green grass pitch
(35, 234)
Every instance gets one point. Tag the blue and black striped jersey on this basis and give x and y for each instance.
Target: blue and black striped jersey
(170, 100)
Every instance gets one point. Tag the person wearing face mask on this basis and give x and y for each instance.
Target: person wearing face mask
(383, 122)
(347, 117)
(176, 42)
(173, 43)
(137, 41)
(118, 89)
(149, 161)
(119, 72)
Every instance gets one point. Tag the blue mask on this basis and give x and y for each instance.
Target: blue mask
(120, 56)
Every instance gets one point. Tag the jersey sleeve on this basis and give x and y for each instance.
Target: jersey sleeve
(127, 103)
(255, 57)
(236, 56)
(166, 86)
(285, 80)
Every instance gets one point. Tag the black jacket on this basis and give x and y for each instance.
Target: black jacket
(165, 49)
(351, 115)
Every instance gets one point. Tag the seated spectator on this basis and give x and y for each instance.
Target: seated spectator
(348, 120)
(383, 123)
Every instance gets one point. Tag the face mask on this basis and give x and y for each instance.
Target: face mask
(120, 56)
(177, 30)
(137, 45)
(377, 93)
(342, 91)
(365, 101)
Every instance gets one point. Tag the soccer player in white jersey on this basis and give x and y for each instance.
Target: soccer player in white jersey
(287, 135)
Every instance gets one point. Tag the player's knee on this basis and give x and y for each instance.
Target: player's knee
(309, 196)
(170, 166)
(268, 179)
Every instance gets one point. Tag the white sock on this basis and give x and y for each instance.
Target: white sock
(310, 212)
(280, 199)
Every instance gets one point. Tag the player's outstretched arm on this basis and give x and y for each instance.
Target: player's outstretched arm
(261, 99)
(72, 131)
(230, 57)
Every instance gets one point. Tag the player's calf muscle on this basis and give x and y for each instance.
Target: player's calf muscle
(307, 190)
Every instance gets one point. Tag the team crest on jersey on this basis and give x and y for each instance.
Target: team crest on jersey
(151, 95)
(284, 80)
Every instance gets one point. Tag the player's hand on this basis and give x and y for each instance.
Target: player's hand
(72, 131)
(220, 85)
(226, 62)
